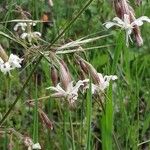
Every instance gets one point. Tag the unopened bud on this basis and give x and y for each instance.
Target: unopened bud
(138, 36)
(3, 54)
(65, 77)
(83, 67)
(45, 120)
(54, 75)
(92, 71)
(121, 8)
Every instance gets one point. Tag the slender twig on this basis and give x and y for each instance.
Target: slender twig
(143, 143)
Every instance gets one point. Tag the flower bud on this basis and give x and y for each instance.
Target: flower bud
(90, 69)
(83, 66)
(65, 77)
(138, 36)
(121, 8)
(45, 120)
(3, 54)
(54, 76)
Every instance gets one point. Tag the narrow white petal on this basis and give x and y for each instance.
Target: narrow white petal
(36, 34)
(77, 86)
(118, 20)
(140, 21)
(111, 24)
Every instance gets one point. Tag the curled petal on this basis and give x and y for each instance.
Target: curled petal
(36, 34)
(22, 25)
(23, 35)
(140, 21)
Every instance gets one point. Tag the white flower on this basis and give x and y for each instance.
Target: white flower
(5, 67)
(126, 24)
(71, 94)
(30, 35)
(14, 61)
(103, 84)
(23, 25)
(36, 146)
(20, 24)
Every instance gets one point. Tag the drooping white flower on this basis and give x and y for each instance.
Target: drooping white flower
(23, 25)
(103, 84)
(126, 24)
(15, 61)
(36, 146)
(71, 94)
(30, 35)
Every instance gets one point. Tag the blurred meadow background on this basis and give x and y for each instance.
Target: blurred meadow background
(27, 109)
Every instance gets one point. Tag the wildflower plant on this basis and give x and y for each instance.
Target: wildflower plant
(66, 77)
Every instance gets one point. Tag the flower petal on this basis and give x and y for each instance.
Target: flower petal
(118, 20)
(23, 35)
(139, 21)
(111, 24)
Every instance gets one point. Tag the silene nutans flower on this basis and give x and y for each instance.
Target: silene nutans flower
(27, 33)
(9, 63)
(100, 82)
(66, 88)
(127, 25)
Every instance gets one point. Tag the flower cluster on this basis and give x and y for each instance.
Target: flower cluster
(13, 62)
(27, 33)
(68, 90)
